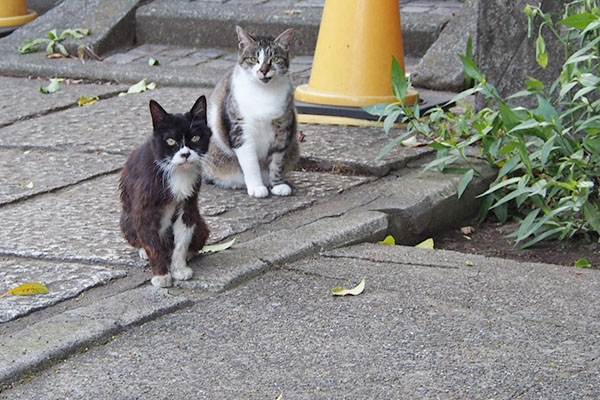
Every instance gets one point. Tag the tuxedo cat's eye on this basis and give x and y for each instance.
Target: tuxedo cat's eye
(195, 139)
(171, 142)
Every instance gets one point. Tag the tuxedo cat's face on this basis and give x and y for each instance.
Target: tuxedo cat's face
(180, 140)
(264, 57)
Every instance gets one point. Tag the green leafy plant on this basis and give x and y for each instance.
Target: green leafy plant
(53, 41)
(548, 157)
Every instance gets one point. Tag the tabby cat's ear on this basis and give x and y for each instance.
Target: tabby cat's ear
(244, 38)
(199, 109)
(285, 39)
(159, 116)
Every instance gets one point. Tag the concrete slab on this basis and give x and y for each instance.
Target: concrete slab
(111, 24)
(53, 338)
(353, 150)
(14, 107)
(498, 329)
(30, 172)
(82, 222)
(112, 125)
(222, 271)
(63, 279)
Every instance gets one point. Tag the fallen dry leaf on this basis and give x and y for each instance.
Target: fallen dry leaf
(340, 291)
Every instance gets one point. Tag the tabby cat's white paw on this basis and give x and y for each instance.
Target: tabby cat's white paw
(258, 191)
(142, 253)
(281, 190)
(161, 281)
(182, 273)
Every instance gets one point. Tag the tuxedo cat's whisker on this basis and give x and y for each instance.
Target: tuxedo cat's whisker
(159, 192)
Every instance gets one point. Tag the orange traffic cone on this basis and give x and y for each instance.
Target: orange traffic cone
(353, 60)
(14, 13)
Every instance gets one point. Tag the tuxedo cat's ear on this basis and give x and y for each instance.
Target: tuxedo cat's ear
(285, 39)
(244, 38)
(199, 109)
(159, 115)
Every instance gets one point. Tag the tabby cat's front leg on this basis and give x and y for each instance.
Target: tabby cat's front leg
(248, 160)
(278, 185)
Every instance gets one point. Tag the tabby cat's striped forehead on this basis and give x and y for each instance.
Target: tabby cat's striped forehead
(266, 43)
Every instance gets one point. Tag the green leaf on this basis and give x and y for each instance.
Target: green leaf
(213, 248)
(579, 21)
(591, 216)
(139, 87)
(53, 87)
(540, 52)
(425, 244)
(471, 69)
(376, 109)
(464, 181)
(582, 263)
(500, 186)
(152, 62)
(399, 81)
(31, 46)
(389, 239)
(340, 291)
(62, 49)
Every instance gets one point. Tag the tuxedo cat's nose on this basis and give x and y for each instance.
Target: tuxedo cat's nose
(185, 155)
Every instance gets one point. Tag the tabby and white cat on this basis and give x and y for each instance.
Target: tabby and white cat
(159, 192)
(251, 113)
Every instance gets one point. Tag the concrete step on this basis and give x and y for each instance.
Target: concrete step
(205, 23)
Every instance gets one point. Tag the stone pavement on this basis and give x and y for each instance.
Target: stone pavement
(257, 320)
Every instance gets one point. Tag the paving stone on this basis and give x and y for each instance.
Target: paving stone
(29, 172)
(63, 279)
(114, 125)
(353, 149)
(12, 90)
(82, 222)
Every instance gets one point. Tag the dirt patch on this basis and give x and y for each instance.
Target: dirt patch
(489, 239)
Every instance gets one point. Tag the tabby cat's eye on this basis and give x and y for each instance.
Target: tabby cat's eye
(196, 139)
(254, 59)
(275, 59)
(171, 142)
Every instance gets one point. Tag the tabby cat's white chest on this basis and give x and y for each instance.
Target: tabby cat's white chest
(259, 101)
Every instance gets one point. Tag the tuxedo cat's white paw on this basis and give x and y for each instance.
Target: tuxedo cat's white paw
(142, 253)
(182, 273)
(161, 281)
(282, 189)
(258, 191)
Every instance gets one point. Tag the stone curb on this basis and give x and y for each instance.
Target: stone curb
(57, 337)
(225, 270)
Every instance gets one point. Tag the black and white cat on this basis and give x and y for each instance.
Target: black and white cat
(252, 115)
(159, 192)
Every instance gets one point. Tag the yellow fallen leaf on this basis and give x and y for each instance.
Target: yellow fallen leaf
(82, 100)
(389, 239)
(27, 288)
(213, 248)
(340, 291)
(426, 244)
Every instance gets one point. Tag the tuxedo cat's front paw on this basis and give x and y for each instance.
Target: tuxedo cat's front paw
(142, 253)
(182, 273)
(282, 189)
(258, 191)
(161, 281)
